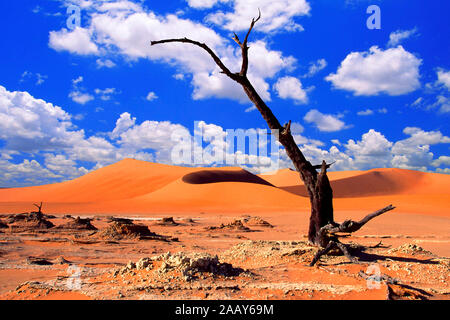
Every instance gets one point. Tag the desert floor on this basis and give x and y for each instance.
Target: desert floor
(233, 235)
(265, 262)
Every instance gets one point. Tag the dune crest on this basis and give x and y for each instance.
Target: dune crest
(132, 186)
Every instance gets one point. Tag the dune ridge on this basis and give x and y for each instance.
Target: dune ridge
(132, 186)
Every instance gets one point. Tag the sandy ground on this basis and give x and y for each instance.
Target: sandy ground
(106, 259)
(274, 261)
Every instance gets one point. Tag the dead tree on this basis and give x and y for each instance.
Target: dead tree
(322, 227)
(39, 212)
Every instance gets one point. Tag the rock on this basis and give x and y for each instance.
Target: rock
(257, 221)
(29, 221)
(78, 224)
(118, 230)
(120, 220)
(193, 263)
(236, 225)
(143, 263)
(61, 260)
(130, 265)
(410, 248)
(168, 221)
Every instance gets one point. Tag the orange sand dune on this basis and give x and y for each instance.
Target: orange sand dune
(223, 197)
(123, 180)
(375, 182)
(132, 186)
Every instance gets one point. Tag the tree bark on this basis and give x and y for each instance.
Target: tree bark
(317, 184)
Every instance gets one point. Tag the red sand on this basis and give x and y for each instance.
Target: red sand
(131, 187)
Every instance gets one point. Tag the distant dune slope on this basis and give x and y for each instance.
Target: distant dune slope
(125, 179)
(132, 186)
(375, 182)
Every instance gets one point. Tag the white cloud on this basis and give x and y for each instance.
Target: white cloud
(372, 143)
(291, 88)
(151, 96)
(106, 94)
(324, 122)
(276, 15)
(369, 112)
(442, 160)
(34, 129)
(124, 122)
(203, 4)
(28, 124)
(80, 98)
(336, 142)
(77, 41)
(127, 29)
(316, 66)
(40, 78)
(398, 36)
(366, 112)
(394, 71)
(444, 78)
(414, 152)
(28, 172)
(105, 63)
(63, 166)
(179, 76)
(77, 80)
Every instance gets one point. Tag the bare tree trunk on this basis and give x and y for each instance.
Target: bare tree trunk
(317, 184)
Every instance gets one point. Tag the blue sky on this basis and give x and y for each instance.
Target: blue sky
(76, 99)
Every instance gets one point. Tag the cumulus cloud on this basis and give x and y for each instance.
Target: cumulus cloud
(78, 94)
(394, 71)
(77, 41)
(41, 145)
(396, 37)
(291, 88)
(80, 98)
(324, 122)
(414, 152)
(277, 15)
(373, 143)
(125, 28)
(28, 124)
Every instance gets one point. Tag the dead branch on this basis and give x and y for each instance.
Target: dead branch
(349, 226)
(216, 59)
(39, 206)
